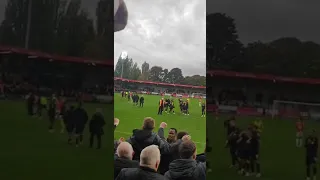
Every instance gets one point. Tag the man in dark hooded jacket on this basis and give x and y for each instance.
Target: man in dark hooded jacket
(174, 149)
(186, 168)
(145, 137)
(96, 128)
(81, 119)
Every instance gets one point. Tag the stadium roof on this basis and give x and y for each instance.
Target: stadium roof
(263, 77)
(159, 83)
(43, 55)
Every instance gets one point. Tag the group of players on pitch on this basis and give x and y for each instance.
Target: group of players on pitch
(167, 105)
(244, 146)
(136, 100)
(73, 119)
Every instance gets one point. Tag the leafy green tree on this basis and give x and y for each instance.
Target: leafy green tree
(156, 74)
(175, 76)
(135, 72)
(74, 30)
(223, 46)
(13, 27)
(195, 80)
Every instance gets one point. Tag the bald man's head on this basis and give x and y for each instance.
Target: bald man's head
(150, 157)
(125, 150)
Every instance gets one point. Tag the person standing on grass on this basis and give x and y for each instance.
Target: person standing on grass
(187, 107)
(171, 106)
(61, 105)
(311, 146)
(81, 119)
(203, 109)
(299, 132)
(52, 114)
(36, 104)
(255, 149)
(30, 100)
(161, 105)
(43, 105)
(129, 96)
(141, 101)
(69, 120)
(96, 128)
(137, 99)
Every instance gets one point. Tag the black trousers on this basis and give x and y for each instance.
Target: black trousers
(141, 104)
(160, 110)
(93, 136)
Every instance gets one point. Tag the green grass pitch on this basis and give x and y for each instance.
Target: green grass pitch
(29, 151)
(131, 117)
(279, 157)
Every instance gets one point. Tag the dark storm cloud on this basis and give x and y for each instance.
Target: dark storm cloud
(268, 20)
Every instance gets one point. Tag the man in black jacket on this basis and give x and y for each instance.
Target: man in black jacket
(145, 137)
(174, 149)
(186, 168)
(149, 163)
(30, 101)
(81, 119)
(123, 158)
(96, 128)
(52, 114)
(141, 101)
(69, 121)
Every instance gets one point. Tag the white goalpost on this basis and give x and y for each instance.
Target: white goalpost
(295, 109)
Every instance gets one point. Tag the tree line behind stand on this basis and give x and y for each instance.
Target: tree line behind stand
(226, 51)
(127, 68)
(60, 26)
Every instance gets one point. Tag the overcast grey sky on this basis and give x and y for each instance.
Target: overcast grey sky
(267, 20)
(168, 33)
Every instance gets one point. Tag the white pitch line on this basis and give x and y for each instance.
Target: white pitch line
(127, 133)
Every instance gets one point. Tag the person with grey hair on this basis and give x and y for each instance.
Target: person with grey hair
(123, 158)
(149, 163)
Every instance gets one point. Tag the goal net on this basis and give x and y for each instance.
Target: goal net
(294, 109)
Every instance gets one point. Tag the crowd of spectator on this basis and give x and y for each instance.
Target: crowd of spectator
(242, 98)
(155, 88)
(147, 155)
(17, 85)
